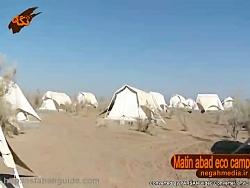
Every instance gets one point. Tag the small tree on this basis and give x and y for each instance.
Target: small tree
(239, 117)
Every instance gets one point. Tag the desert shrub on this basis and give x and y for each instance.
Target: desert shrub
(181, 114)
(102, 103)
(8, 120)
(35, 99)
(7, 114)
(76, 109)
(169, 113)
(70, 108)
(239, 117)
(217, 116)
(142, 125)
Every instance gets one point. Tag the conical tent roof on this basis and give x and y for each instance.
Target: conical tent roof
(17, 99)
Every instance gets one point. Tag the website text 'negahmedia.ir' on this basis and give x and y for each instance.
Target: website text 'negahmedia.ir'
(54, 180)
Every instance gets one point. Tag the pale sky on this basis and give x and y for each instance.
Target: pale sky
(169, 46)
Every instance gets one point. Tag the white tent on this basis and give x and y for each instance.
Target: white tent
(159, 100)
(128, 103)
(177, 101)
(191, 104)
(58, 99)
(21, 116)
(209, 102)
(228, 103)
(8, 158)
(48, 104)
(15, 97)
(87, 99)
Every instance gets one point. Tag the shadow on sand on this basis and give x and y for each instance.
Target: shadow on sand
(229, 147)
(6, 179)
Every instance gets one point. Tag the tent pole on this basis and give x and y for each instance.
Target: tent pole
(18, 178)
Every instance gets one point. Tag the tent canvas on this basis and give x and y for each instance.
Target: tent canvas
(191, 104)
(15, 97)
(128, 102)
(177, 101)
(87, 99)
(228, 103)
(7, 157)
(209, 102)
(59, 100)
(48, 104)
(159, 100)
(21, 116)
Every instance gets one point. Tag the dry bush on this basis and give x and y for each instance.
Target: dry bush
(142, 125)
(101, 122)
(218, 117)
(76, 109)
(169, 114)
(7, 114)
(85, 108)
(70, 108)
(102, 104)
(181, 116)
(239, 117)
(36, 99)
(8, 120)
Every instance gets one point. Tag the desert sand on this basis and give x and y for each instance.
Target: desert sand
(65, 146)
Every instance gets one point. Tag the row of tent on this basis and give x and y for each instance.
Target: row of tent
(204, 102)
(52, 101)
(56, 101)
(130, 103)
(127, 102)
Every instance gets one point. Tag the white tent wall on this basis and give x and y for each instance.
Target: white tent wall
(127, 103)
(17, 100)
(228, 103)
(87, 99)
(126, 106)
(177, 101)
(61, 99)
(21, 116)
(7, 157)
(48, 104)
(209, 102)
(159, 100)
(191, 104)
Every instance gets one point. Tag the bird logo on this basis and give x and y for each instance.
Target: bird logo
(22, 20)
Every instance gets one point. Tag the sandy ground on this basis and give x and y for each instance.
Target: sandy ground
(64, 146)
